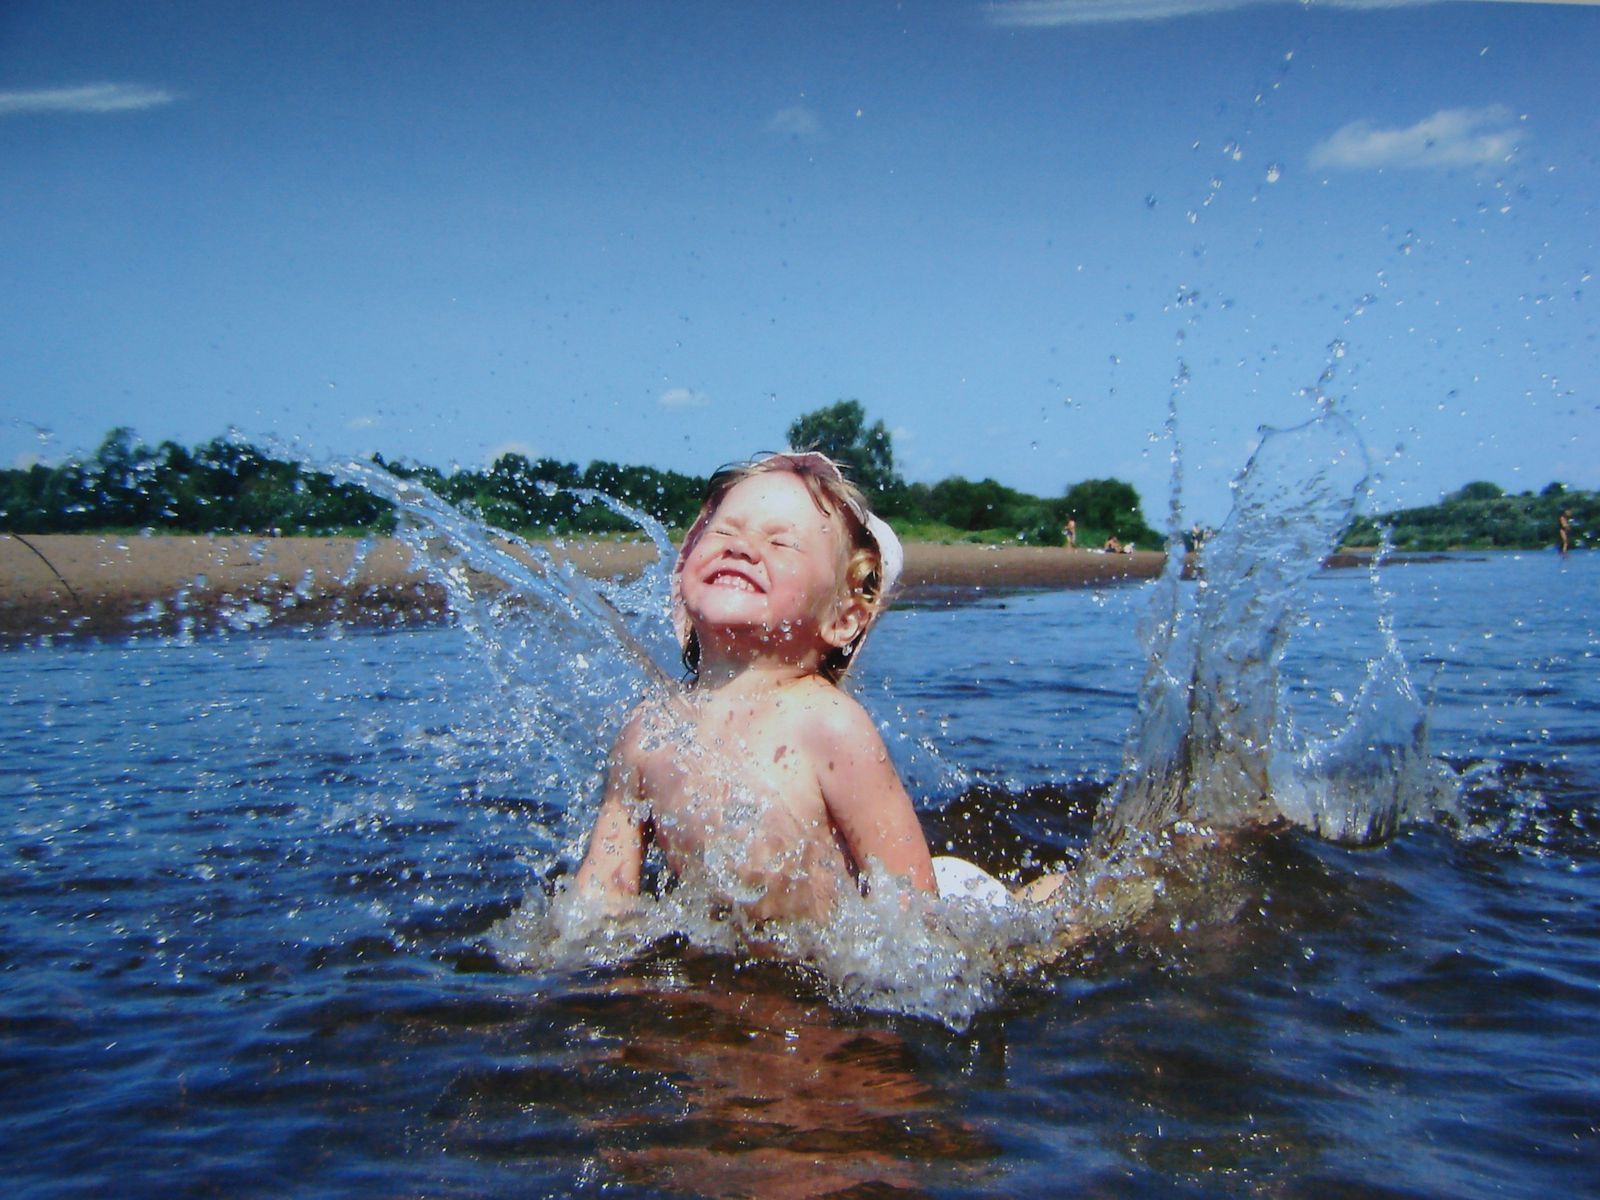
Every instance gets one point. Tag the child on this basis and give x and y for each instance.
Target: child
(765, 784)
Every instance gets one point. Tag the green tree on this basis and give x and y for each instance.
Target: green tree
(841, 432)
(41, 499)
(1480, 489)
(1109, 507)
(119, 473)
(985, 504)
(524, 495)
(670, 496)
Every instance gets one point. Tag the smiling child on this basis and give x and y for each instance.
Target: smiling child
(764, 783)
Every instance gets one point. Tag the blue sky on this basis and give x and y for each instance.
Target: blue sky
(656, 233)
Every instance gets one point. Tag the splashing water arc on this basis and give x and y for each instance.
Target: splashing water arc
(566, 665)
(1215, 748)
(1217, 745)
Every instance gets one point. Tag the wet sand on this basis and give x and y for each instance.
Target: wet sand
(95, 585)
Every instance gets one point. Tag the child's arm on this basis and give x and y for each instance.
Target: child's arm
(866, 800)
(614, 862)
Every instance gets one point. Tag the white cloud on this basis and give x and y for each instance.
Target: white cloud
(796, 121)
(680, 397)
(1452, 137)
(1045, 14)
(89, 98)
(504, 448)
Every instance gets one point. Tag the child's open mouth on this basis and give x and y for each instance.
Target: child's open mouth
(734, 580)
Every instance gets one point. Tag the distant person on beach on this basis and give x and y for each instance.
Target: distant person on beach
(1564, 529)
(1113, 546)
(764, 783)
(1071, 532)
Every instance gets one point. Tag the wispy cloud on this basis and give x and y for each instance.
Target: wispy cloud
(681, 397)
(1452, 137)
(496, 453)
(87, 98)
(1045, 14)
(796, 121)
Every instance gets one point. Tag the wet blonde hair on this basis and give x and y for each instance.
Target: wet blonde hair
(833, 494)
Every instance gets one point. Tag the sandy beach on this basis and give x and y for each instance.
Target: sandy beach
(108, 585)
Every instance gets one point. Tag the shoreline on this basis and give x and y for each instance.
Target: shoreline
(112, 585)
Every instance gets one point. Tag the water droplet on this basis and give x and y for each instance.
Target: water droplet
(1274, 172)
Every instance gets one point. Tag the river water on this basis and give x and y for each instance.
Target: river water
(255, 889)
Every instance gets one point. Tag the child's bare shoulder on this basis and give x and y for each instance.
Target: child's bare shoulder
(830, 719)
(646, 723)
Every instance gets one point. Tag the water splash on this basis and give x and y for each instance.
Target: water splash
(569, 655)
(1217, 747)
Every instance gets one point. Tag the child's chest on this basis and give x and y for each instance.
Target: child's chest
(735, 762)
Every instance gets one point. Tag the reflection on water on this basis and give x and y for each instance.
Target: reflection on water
(704, 1078)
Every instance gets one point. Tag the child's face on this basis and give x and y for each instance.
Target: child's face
(768, 563)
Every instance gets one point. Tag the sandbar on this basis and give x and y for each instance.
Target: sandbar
(97, 585)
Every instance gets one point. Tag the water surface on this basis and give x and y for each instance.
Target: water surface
(249, 884)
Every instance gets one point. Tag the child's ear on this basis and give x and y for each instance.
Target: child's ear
(847, 622)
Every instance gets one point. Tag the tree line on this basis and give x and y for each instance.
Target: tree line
(982, 509)
(222, 486)
(227, 486)
(1483, 516)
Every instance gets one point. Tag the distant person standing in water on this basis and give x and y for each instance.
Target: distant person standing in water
(1564, 529)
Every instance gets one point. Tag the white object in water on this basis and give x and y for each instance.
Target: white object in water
(958, 879)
